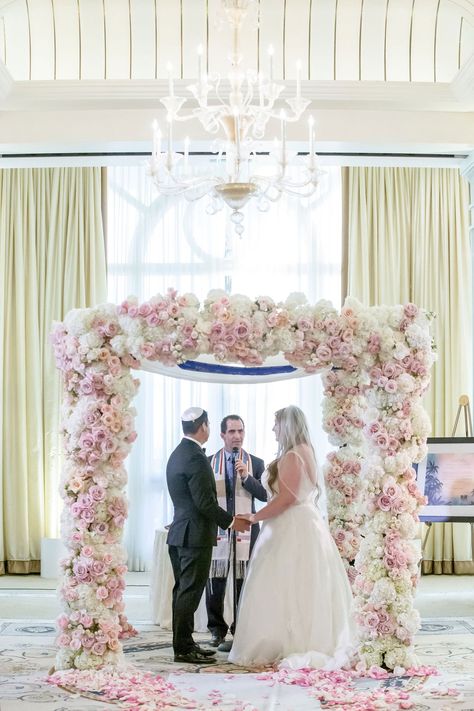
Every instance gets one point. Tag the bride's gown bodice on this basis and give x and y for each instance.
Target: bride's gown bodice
(307, 491)
(296, 601)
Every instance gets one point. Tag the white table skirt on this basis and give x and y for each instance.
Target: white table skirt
(161, 589)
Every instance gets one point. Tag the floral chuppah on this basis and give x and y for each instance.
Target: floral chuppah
(376, 365)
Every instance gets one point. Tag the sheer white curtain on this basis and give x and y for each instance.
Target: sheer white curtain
(155, 243)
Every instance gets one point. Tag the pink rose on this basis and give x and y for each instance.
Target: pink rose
(381, 440)
(323, 352)
(371, 620)
(375, 374)
(152, 319)
(99, 649)
(144, 310)
(384, 502)
(374, 427)
(242, 330)
(63, 640)
(86, 620)
(63, 621)
(98, 568)
(410, 310)
(147, 350)
(86, 388)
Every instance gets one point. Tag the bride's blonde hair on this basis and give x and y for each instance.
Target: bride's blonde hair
(293, 431)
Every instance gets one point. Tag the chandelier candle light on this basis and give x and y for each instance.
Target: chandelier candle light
(242, 115)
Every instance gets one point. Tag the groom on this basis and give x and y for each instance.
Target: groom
(193, 532)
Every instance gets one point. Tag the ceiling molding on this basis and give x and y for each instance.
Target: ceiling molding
(135, 94)
(467, 168)
(463, 82)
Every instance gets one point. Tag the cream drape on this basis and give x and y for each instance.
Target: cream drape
(52, 259)
(408, 240)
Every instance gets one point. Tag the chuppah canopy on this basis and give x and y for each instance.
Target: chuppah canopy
(207, 369)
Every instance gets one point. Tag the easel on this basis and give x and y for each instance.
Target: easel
(462, 407)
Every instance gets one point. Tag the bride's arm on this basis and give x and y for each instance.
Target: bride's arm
(289, 476)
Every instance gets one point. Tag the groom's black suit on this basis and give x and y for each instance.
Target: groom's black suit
(192, 534)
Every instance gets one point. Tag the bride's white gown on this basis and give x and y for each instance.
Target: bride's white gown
(295, 605)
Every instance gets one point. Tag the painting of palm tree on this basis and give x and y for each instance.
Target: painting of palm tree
(433, 486)
(446, 477)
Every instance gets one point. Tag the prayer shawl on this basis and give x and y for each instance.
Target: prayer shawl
(221, 553)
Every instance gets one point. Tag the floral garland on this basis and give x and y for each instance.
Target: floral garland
(375, 363)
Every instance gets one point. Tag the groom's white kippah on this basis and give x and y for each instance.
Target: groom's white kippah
(191, 414)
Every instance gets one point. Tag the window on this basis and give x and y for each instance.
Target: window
(155, 243)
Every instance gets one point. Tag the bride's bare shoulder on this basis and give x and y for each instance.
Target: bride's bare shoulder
(302, 452)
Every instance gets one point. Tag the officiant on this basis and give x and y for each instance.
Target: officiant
(238, 483)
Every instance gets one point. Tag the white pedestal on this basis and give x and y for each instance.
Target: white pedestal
(52, 551)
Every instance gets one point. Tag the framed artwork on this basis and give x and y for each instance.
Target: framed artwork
(446, 478)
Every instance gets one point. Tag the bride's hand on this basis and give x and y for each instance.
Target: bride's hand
(250, 517)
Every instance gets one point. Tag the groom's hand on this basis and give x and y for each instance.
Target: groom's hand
(240, 524)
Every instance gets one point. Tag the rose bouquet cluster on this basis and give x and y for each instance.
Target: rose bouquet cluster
(249, 331)
(343, 485)
(165, 328)
(343, 419)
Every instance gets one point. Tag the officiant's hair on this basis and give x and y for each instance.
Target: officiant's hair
(191, 426)
(230, 417)
(293, 431)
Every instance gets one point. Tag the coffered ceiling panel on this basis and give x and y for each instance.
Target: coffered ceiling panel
(67, 40)
(393, 40)
(373, 21)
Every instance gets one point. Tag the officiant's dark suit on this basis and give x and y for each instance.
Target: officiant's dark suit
(232, 434)
(193, 531)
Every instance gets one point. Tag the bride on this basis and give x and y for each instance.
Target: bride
(295, 606)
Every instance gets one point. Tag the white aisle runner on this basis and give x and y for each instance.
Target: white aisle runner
(263, 695)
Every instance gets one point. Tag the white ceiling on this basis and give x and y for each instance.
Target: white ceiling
(382, 76)
(368, 40)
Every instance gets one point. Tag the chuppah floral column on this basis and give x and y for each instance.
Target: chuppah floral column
(98, 433)
(398, 361)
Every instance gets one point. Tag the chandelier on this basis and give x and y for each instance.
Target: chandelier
(238, 106)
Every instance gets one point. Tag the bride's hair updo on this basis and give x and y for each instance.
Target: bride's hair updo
(293, 431)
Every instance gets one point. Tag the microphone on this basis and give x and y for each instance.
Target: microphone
(235, 451)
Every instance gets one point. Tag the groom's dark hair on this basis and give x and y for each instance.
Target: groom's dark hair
(230, 417)
(190, 427)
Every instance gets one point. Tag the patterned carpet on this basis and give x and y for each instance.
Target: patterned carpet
(27, 654)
